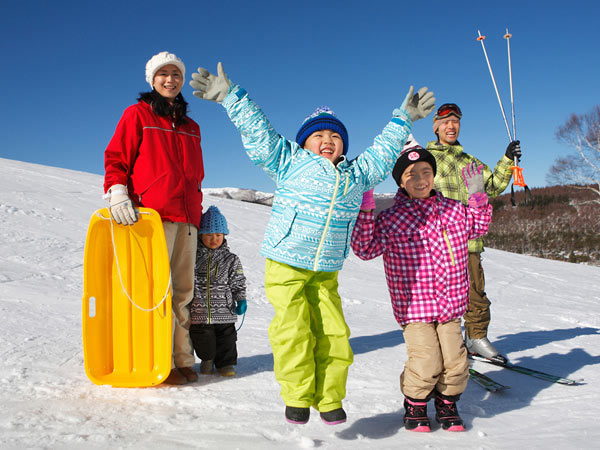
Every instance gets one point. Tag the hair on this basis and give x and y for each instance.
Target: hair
(161, 106)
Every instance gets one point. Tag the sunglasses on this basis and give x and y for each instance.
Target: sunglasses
(446, 110)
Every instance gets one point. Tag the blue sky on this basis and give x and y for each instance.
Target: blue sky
(70, 68)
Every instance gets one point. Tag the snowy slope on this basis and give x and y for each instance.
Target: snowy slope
(546, 314)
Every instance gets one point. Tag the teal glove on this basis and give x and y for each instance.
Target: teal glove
(419, 105)
(209, 86)
(241, 307)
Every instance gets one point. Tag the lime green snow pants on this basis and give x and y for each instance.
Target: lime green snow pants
(308, 335)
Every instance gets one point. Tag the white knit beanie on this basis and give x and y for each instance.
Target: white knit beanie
(160, 60)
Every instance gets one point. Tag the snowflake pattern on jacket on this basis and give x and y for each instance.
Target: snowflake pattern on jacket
(424, 243)
(219, 283)
(316, 202)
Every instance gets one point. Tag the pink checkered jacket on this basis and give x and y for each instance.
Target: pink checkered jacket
(424, 243)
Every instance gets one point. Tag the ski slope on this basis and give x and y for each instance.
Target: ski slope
(546, 315)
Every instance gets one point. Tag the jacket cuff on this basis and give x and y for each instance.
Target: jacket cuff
(235, 94)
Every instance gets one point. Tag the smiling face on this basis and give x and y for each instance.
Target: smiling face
(212, 240)
(417, 180)
(448, 130)
(168, 81)
(326, 143)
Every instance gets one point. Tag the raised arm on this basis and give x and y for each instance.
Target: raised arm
(377, 161)
(265, 147)
(479, 210)
(365, 243)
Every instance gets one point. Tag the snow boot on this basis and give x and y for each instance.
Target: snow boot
(483, 347)
(189, 374)
(415, 416)
(296, 415)
(446, 412)
(206, 367)
(334, 417)
(176, 378)
(227, 371)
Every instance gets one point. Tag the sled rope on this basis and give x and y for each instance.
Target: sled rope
(112, 236)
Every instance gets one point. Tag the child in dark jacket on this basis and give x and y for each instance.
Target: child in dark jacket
(424, 242)
(219, 296)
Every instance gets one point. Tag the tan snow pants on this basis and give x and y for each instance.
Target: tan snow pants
(437, 359)
(182, 242)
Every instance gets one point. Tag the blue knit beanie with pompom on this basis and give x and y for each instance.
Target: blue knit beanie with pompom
(323, 118)
(213, 222)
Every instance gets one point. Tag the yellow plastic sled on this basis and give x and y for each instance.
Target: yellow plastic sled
(126, 301)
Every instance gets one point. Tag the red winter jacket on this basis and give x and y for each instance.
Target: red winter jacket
(160, 164)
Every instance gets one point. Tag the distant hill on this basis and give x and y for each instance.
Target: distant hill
(562, 223)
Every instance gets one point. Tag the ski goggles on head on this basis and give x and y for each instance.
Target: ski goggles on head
(446, 110)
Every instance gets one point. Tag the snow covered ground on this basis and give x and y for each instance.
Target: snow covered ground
(546, 315)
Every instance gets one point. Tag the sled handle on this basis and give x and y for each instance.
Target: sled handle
(112, 236)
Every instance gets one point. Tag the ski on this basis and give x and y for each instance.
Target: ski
(529, 371)
(486, 382)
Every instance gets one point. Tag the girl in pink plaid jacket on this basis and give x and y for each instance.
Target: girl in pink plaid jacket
(424, 242)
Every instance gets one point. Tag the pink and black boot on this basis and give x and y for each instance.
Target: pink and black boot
(446, 412)
(415, 415)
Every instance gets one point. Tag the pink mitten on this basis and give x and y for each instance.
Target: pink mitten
(368, 202)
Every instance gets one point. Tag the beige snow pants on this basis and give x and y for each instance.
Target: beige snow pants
(437, 359)
(182, 242)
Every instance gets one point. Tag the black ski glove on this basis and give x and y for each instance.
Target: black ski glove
(514, 151)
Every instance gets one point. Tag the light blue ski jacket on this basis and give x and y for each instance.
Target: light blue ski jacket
(316, 202)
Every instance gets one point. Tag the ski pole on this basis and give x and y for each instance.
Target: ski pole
(507, 36)
(517, 171)
(480, 39)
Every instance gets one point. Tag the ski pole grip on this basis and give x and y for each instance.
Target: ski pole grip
(518, 176)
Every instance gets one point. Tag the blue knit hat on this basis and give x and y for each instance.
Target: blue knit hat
(323, 118)
(213, 222)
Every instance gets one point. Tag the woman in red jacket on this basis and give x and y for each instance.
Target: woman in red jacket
(154, 160)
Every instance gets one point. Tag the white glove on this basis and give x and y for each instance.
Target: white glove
(419, 105)
(209, 86)
(121, 206)
(473, 178)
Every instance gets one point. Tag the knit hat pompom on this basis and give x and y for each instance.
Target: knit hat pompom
(323, 118)
(160, 60)
(410, 157)
(410, 142)
(213, 222)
